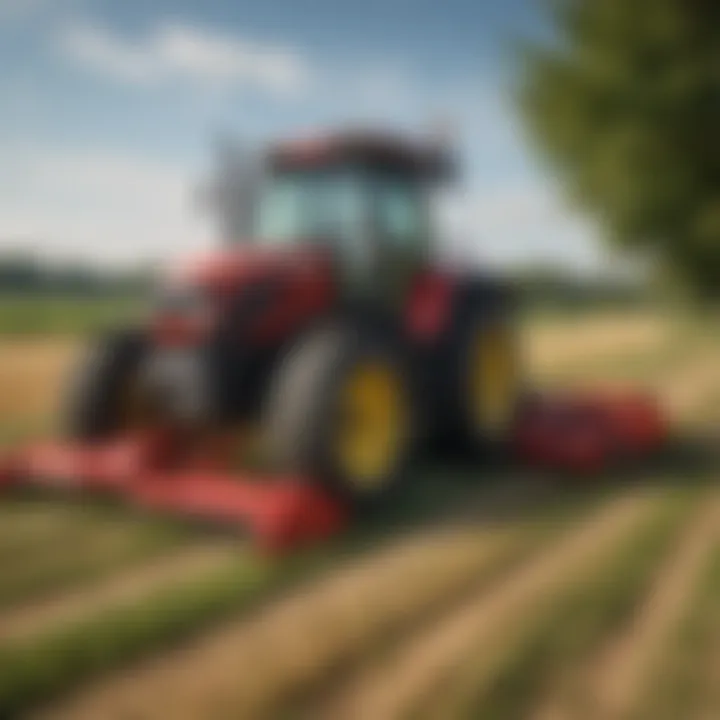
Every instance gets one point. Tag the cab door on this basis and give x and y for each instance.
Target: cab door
(400, 230)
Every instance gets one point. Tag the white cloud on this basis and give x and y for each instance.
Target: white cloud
(111, 207)
(96, 206)
(116, 209)
(174, 51)
(518, 223)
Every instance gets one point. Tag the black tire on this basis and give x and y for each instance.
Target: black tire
(483, 312)
(94, 403)
(303, 409)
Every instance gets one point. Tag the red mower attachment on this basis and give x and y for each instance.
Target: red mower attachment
(281, 514)
(588, 432)
(582, 433)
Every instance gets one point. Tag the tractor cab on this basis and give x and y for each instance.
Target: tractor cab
(365, 196)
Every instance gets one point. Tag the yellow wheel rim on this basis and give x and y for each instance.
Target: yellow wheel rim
(493, 380)
(372, 424)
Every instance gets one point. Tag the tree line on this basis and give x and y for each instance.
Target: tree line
(23, 273)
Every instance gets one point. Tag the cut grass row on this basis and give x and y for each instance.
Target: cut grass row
(415, 610)
(382, 611)
(33, 672)
(24, 524)
(88, 557)
(407, 679)
(125, 587)
(600, 601)
(685, 683)
(47, 550)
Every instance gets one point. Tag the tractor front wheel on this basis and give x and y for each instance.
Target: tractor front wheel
(342, 410)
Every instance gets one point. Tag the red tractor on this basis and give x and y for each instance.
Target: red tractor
(335, 340)
(332, 333)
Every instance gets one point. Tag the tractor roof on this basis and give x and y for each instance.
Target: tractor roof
(375, 149)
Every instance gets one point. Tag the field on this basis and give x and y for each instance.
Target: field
(485, 595)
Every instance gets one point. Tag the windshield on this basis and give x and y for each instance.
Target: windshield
(312, 205)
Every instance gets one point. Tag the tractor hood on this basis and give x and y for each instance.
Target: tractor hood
(225, 271)
(257, 292)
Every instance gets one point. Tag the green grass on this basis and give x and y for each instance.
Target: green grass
(47, 315)
(685, 681)
(578, 619)
(86, 552)
(36, 531)
(540, 525)
(35, 671)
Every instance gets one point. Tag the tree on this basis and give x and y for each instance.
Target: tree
(625, 103)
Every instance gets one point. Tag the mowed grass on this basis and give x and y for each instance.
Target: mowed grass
(686, 681)
(595, 604)
(35, 670)
(47, 547)
(49, 663)
(46, 555)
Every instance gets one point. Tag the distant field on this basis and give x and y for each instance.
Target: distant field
(33, 372)
(480, 595)
(47, 315)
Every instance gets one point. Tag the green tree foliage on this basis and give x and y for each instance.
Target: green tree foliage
(625, 102)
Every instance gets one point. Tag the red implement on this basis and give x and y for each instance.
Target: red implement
(280, 513)
(588, 432)
(578, 433)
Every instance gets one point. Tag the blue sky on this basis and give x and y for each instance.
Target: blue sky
(109, 109)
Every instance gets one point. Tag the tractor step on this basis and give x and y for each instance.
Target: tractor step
(280, 513)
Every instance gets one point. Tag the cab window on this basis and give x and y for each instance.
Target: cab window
(400, 213)
(317, 205)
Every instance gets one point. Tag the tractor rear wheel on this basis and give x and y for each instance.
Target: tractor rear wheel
(482, 381)
(341, 410)
(103, 397)
(491, 375)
